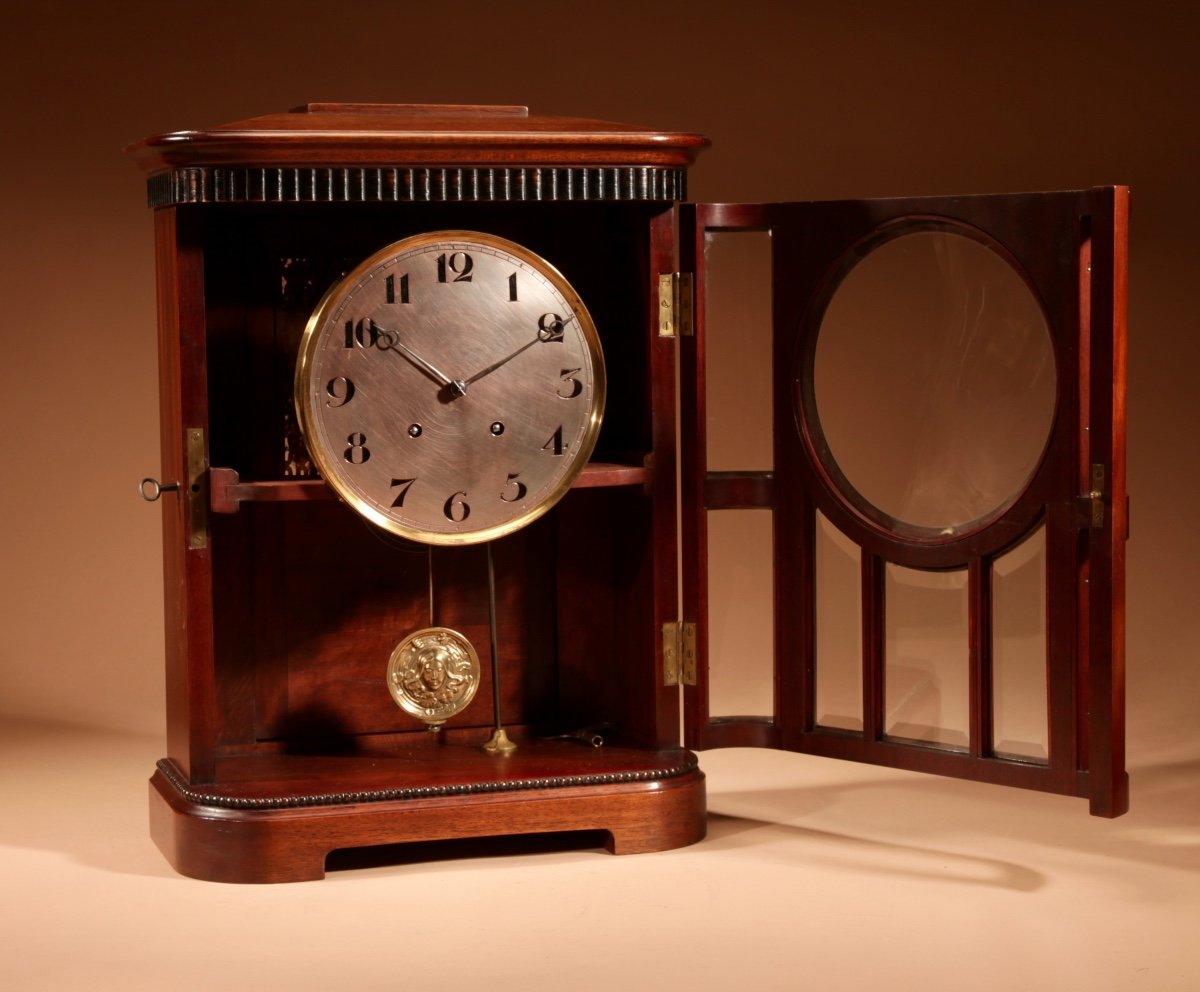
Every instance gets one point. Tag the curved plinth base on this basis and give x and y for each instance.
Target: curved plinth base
(275, 835)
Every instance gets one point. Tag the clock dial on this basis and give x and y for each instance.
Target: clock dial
(451, 387)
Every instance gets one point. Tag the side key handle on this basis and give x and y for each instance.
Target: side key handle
(151, 489)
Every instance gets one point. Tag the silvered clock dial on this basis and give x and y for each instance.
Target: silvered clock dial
(450, 388)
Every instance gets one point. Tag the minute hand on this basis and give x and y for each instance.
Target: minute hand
(508, 358)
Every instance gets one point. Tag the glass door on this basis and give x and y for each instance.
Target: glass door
(904, 484)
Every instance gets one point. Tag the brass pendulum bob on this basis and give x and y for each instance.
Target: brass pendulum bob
(433, 673)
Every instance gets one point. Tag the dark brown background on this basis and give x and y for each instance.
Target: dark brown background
(873, 99)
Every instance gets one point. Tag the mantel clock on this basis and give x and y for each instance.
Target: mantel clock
(460, 409)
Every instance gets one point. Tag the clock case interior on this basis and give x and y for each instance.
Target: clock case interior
(282, 605)
(308, 597)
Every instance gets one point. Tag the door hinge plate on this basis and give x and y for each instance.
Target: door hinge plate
(1091, 505)
(675, 305)
(679, 653)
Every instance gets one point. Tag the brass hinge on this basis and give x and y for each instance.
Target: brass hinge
(675, 305)
(679, 653)
(196, 493)
(1091, 505)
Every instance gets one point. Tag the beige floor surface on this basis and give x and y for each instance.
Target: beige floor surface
(815, 875)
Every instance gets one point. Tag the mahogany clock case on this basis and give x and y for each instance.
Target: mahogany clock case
(282, 605)
(306, 592)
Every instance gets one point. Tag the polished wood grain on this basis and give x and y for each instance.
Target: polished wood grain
(227, 492)
(1107, 310)
(280, 627)
(331, 135)
(278, 819)
(190, 686)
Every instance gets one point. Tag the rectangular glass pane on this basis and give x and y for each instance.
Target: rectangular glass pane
(741, 614)
(926, 656)
(1020, 720)
(839, 629)
(737, 348)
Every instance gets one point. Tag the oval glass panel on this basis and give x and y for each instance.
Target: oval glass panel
(934, 382)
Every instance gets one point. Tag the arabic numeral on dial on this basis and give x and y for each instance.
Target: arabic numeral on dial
(512, 288)
(404, 485)
(455, 267)
(568, 382)
(361, 333)
(396, 290)
(456, 508)
(555, 443)
(550, 327)
(356, 451)
(340, 390)
(514, 489)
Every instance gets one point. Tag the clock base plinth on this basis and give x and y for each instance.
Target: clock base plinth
(256, 826)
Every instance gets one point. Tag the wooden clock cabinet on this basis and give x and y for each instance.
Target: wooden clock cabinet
(282, 604)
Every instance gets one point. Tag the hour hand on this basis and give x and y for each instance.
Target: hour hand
(391, 341)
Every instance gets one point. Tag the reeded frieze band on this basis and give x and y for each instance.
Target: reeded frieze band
(376, 185)
(687, 764)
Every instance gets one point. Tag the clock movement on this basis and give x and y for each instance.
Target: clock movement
(457, 403)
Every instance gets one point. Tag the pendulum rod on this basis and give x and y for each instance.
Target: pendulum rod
(499, 742)
(429, 569)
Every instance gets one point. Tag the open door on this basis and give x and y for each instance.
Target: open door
(903, 477)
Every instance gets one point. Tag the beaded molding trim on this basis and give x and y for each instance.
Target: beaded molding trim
(196, 184)
(687, 764)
